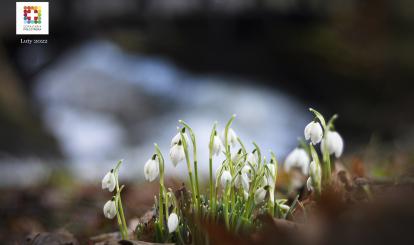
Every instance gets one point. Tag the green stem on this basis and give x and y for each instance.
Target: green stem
(193, 140)
(162, 188)
(212, 200)
(226, 144)
(226, 207)
(190, 172)
(123, 227)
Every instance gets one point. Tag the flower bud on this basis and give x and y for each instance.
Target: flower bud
(297, 158)
(172, 222)
(225, 178)
(253, 158)
(314, 132)
(231, 137)
(151, 169)
(237, 156)
(108, 181)
(177, 137)
(315, 178)
(177, 153)
(242, 181)
(260, 195)
(217, 145)
(333, 142)
(109, 209)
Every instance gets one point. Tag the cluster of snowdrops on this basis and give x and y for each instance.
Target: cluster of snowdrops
(242, 186)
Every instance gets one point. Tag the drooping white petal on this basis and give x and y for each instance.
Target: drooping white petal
(231, 137)
(225, 178)
(339, 144)
(315, 176)
(259, 195)
(109, 209)
(247, 170)
(284, 207)
(242, 181)
(307, 130)
(297, 158)
(333, 142)
(314, 132)
(172, 222)
(270, 174)
(177, 138)
(236, 156)
(108, 181)
(309, 184)
(253, 158)
(151, 169)
(177, 153)
(246, 195)
(217, 145)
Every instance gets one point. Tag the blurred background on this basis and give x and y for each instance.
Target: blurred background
(115, 76)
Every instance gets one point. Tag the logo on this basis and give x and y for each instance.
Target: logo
(32, 18)
(32, 14)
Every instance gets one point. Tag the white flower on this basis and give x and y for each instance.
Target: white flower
(109, 209)
(247, 170)
(246, 195)
(172, 222)
(236, 156)
(225, 178)
(177, 153)
(314, 132)
(284, 207)
(177, 138)
(253, 158)
(315, 176)
(333, 141)
(151, 168)
(309, 184)
(108, 181)
(270, 174)
(315, 170)
(297, 158)
(242, 181)
(259, 195)
(231, 137)
(217, 145)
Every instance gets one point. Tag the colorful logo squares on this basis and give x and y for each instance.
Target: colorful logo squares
(32, 14)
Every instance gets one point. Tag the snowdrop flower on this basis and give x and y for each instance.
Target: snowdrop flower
(151, 169)
(253, 158)
(177, 153)
(260, 195)
(109, 209)
(314, 132)
(225, 178)
(172, 222)
(242, 181)
(309, 184)
(270, 173)
(236, 157)
(315, 170)
(108, 181)
(333, 142)
(247, 170)
(231, 137)
(315, 176)
(284, 207)
(217, 145)
(297, 158)
(246, 195)
(177, 137)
